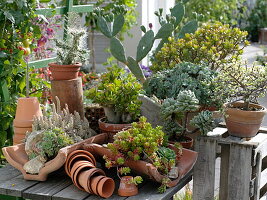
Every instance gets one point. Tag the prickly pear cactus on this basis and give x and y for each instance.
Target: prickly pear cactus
(168, 28)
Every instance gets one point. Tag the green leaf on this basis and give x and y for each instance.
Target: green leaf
(117, 50)
(135, 68)
(145, 45)
(118, 24)
(9, 17)
(189, 27)
(45, 1)
(143, 29)
(178, 12)
(165, 31)
(103, 27)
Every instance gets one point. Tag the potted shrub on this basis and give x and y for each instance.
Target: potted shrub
(118, 93)
(71, 54)
(175, 112)
(242, 85)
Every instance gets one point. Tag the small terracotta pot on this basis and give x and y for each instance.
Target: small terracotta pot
(83, 180)
(76, 158)
(64, 72)
(111, 129)
(127, 189)
(22, 131)
(75, 174)
(187, 144)
(96, 172)
(94, 182)
(105, 187)
(69, 160)
(18, 138)
(242, 123)
(27, 108)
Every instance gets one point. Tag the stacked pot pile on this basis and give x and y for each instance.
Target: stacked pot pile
(81, 167)
(27, 108)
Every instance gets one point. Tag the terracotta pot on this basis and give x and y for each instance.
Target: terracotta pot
(22, 131)
(111, 129)
(27, 108)
(78, 155)
(83, 180)
(96, 172)
(105, 187)
(188, 144)
(127, 189)
(18, 138)
(241, 123)
(64, 72)
(94, 182)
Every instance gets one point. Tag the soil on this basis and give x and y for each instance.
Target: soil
(250, 108)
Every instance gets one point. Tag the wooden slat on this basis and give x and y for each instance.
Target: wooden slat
(45, 190)
(239, 172)
(63, 10)
(41, 63)
(204, 169)
(70, 193)
(258, 178)
(8, 172)
(149, 190)
(15, 186)
(224, 170)
(217, 132)
(263, 179)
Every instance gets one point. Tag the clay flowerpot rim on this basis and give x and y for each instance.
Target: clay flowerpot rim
(105, 187)
(94, 183)
(232, 105)
(78, 64)
(104, 120)
(75, 175)
(95, 172)
(83, 180)
(127, 189)
(76, 158)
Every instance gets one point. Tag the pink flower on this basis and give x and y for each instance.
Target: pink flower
(49, 31)
(41, 42)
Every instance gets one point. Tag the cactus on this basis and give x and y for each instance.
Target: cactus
(168, 28)
(73, 125)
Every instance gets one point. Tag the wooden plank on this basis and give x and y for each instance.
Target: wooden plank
(45, 190)
(15, 186)
(218, 131)
(42, 63)
(70, 193)
(258, 178)
(149, 190)
(8, 172)
(49, 12)
(225, 152)
(204, 169)
(263, 179)
(239, 172)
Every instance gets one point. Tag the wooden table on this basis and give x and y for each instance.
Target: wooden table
(59, 187)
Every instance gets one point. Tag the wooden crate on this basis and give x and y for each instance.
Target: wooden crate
(243, 172)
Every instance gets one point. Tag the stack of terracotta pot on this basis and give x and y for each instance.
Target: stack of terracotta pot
(27, 108)
(81, 167)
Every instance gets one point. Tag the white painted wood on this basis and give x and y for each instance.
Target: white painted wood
(217, 132)
(263, 179)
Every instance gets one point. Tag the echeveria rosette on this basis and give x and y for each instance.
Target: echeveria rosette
(204, 121)
(171, 128)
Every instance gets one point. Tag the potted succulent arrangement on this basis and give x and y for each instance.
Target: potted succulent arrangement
(242, 85)
(117, 92)
(175, 112)
(71, 53)
(145, 150)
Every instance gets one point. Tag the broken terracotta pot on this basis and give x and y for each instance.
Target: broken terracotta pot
(185, 164)
(17, 157)
(127, 188)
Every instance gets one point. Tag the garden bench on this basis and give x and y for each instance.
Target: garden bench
(59, 187)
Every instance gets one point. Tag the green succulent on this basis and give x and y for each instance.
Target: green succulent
(204, 122)
(213, 44)
(184, 76)
(118, 90)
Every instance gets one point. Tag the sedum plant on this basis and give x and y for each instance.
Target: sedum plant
(141, 142)
(241, 82)
(118, 93)
(184, 76)
(168, 28)
(213, 44)
(176, 113)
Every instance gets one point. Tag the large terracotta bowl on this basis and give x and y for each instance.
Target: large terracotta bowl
(185, 163)
(17, 157)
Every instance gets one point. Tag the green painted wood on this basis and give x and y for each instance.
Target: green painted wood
(42, 63)
(63, 10)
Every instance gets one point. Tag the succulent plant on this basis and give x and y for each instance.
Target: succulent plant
(175, 112)
(213, 44)
(73, 125)
(185, 76)
(167, 29)
(118, 93)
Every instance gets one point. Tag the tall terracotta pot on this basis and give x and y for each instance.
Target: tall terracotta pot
(242, 123)
(27, 108)
(64, 72)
